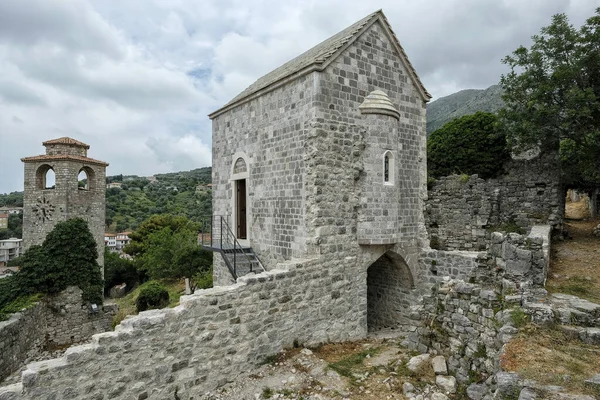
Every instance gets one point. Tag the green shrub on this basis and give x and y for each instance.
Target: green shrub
(469, 145)
(204, 280)
(152, 295)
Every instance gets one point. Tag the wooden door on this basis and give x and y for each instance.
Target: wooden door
(241, 209)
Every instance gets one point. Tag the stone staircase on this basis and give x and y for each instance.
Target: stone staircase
(217, 236)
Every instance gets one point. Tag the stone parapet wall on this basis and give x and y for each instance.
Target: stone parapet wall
(210, 338)
(53, 322)
(20, 337)
(461, 211)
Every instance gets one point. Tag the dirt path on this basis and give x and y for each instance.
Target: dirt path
(575, 263)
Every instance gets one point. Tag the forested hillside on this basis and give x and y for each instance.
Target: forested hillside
(462, 103)
(177, 193)
(138, 198)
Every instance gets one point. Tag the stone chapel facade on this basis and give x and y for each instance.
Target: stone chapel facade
(325, 158)
(44, 204)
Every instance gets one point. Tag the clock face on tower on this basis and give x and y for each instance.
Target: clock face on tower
(43, 209)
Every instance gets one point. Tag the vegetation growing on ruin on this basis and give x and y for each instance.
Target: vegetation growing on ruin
(469, 145)
(67, 257)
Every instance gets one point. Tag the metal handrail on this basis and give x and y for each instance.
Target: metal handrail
(222, 239)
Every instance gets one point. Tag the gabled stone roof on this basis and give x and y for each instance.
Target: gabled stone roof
(317, 59)
(68, 141)
(64, 157)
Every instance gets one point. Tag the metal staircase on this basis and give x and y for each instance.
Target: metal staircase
(216, 235)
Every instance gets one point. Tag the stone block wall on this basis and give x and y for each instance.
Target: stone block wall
(20, 338)
(462, 326)
(55, 321)
(210, 338)
(461, 213)
(68, 321)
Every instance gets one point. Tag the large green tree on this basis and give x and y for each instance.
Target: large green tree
(166, 246)
(472, 144)
(552, 96)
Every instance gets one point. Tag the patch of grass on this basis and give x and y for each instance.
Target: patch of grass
(577, 286)
(19, 304)
(267, 392)
(126, 304)
(548, 356)
(463, 178)
(347, 366)
(518, 317)
(481, 351)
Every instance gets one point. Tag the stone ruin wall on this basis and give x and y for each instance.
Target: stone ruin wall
(461, 213)
(55, 321)
(210, 338)
(469, 322)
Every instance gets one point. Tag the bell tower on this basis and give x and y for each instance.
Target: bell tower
(64, 183)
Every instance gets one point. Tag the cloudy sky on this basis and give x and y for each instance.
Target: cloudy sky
(135, 79)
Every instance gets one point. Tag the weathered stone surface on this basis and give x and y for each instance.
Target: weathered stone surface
(417, 362)
(477, 391)
(507, 384)
(593, 382)
(447, 383)
(439, 365)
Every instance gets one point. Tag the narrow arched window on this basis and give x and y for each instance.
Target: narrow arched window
(388, 168)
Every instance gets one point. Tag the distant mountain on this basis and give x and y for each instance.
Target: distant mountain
(461, 103)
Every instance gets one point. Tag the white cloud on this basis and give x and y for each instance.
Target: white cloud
(136, 79)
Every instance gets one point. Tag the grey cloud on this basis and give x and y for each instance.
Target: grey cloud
(17, 93)
(69, 23)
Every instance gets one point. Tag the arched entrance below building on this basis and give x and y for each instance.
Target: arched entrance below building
(389, 293)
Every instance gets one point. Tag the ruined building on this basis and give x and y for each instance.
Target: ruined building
(45, 204)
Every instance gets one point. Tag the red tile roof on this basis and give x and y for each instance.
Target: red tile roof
(68, 141)
(64, 157)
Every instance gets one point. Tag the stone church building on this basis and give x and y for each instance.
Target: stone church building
(324, 159)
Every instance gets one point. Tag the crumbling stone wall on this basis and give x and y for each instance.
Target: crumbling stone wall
(20, 337)
(210, 338)
(55, 321)
(461, 212)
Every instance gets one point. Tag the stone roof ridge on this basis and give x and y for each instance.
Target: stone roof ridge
(317, 59)
(66, 140)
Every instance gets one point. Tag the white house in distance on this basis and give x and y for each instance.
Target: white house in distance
(110, 241)
(122, 240)
(116, 241)
(9, 249)
(11, 210)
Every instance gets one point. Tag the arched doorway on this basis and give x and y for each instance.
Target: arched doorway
(389, 293)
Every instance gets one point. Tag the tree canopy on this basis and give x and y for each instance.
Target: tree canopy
(472, 144)
(552, 97)
(166, 246)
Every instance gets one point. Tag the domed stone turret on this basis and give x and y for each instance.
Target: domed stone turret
(377, 102)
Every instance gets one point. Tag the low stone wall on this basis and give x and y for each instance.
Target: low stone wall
(55, 321)
(461, 211)
(68, 321)
(464, 328)
(523, 258)
(211, 337)
(20, 338)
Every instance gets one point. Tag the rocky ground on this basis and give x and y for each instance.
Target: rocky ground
(374, 369)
